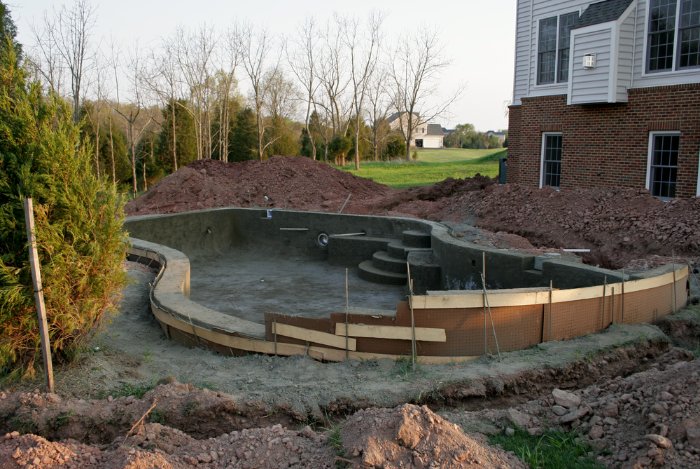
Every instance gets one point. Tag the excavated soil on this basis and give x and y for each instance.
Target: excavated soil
(630, 392)
(621, 227)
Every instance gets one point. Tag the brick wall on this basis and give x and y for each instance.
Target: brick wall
(606, 144)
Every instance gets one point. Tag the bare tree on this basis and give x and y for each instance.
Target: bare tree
(302, 63)
(379, 104)
(130, 112)
(95, 112)
(162, 77)
(414, 72)
(332, 75)
(71, 36)
(228, 59)
(280, 95)
(255, 50)
(363, 48)
(194, 54)
(46, 59)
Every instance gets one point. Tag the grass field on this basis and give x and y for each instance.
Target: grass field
(432, 166)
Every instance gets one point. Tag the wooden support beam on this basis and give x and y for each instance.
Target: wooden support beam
(319, 353)
(309, 335)
(426, 334)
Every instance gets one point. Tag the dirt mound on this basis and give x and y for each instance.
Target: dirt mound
(412, 436)
(619, 226)
(154, 445)
(650, 418)
(280, 182)
(162, 430)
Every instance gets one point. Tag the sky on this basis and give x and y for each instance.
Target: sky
(478, 36)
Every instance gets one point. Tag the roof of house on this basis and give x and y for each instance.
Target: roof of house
(602, 12)
(434, 129)
(396, 115)
(393, 117)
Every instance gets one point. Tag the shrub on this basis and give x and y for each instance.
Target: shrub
(79, 233)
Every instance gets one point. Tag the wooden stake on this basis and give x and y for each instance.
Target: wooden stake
(38, 293)
(612, 305)
(622, 299)
(413, 321)
(347, 307)
(549, 328)
(274, 325)
(493, 326)
(602, 302)
(673, 303)
(483, 294)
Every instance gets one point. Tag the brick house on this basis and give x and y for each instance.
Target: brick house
(607, 94)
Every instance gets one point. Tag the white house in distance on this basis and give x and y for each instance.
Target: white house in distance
(424, 136)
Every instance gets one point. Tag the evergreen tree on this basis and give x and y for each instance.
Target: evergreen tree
(286, 142)
(8, 33)
(186, 137)
(78, 223)
(244, 140)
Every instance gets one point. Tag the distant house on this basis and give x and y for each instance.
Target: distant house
(607, 94)
(424, 135)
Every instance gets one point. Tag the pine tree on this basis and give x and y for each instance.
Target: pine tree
(78, 223)
(244, 139)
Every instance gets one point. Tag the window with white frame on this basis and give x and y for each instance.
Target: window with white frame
(553, 48)
(550, 170)
(673, 35)
(662, 165)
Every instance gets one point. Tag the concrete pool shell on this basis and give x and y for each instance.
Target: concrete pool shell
(251, 280)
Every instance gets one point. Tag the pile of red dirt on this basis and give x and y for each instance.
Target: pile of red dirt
(280, 182)
(412, 436)
(619, 226)
(169, 426)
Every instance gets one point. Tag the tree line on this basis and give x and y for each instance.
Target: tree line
(324, 92)
(466, 136)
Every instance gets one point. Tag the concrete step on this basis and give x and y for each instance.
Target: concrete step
(416, 239)
(351, 250)
(399, 250)
(369, 272)
(384, 261)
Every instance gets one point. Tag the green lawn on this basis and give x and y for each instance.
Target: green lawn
(432, 166)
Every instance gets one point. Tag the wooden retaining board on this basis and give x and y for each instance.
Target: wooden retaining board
(497, 298)
(308, 335)
(427, 334)
(237, 343)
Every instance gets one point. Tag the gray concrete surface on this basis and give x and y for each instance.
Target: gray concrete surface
(248, 283)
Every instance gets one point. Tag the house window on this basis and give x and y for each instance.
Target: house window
(551, 160)
(663, 44)
(553, 48)
(662, 167)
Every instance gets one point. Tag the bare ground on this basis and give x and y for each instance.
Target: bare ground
(634, 388)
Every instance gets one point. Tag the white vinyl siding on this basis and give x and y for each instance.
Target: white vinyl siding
(625, 57)
(591, 85)
(642, 79)
(522, 50)
(629, 52)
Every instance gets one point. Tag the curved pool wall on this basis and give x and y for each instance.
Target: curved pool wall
(530, 299)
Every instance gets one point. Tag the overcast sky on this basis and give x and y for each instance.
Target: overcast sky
(478, 36)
